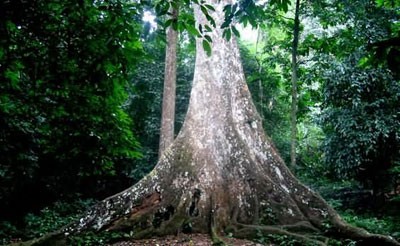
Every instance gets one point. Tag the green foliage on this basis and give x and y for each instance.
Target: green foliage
(54, 217)
(310, 151)
(359, 94)
(369, 223)
(9, 232)
(281, 4)
(388, 225)
(388, 3)
(98, 238)
(245, 12)
(47, 220)
(185, 22)
(268, 216)
(63, 73)
(272, 103)
(283, 240)
(383, 221)
(350, 25)
(207, 47)
(145, 99)
(361, 122)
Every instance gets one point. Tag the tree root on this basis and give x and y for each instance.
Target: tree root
(54, 238)
(247, 231)
(252, 231)
(302, 226)
(345, 230)
(359, 234)
(216, 240)
(138, 209)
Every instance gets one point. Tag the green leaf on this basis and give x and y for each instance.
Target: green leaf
(161, 9)
(227, 34)
(174, 5)
(208, 38)
(228, 9)
(204, 10)
(13, 77)
(244, 20)
(226, 24)
(207, 47)
(285, 6)
(238, 13)
(181, 26)
(1, 53)
(175, 24)
(211, 20)
(168, 23)
(253, 23)
(11, 26)
(235, 31)
(380, 3)
(209, 7)
(192, 30)
(281, 4)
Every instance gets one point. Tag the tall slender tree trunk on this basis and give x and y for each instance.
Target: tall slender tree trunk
(293, 113)
(221, 174)
(260, 85)
(167, 131)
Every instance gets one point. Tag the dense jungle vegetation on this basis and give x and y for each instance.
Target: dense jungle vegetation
(81, 89)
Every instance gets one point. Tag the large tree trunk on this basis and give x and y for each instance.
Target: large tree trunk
(222, 173)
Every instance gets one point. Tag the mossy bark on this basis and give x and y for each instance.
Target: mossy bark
(222, 173)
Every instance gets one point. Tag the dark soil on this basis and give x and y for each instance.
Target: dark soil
(185, 240)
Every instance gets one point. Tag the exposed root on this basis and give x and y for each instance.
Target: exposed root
(359, 234)
(252, 231)
(302, 226)
(217, 241)
(148, 205)
(54, 238)
(345, 230)
(157, 207)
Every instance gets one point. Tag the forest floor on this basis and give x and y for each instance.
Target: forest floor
(185, 240)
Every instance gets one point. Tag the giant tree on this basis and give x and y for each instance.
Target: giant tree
(221, 173)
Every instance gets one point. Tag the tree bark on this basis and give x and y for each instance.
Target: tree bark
(167, 132)
(293, 113)
(221, 174)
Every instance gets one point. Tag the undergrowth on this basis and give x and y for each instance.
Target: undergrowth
(47, 220)
(61, 213)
